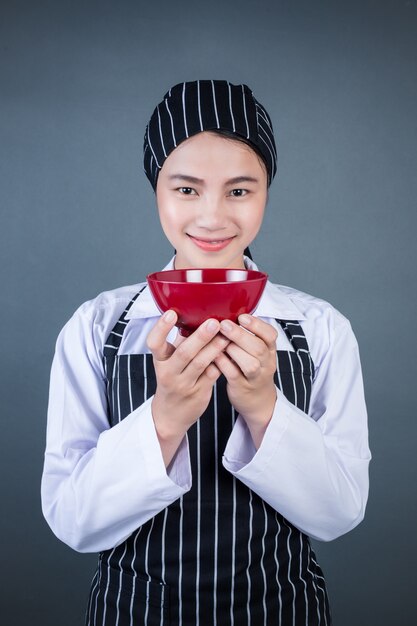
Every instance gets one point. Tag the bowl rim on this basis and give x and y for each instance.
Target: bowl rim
(260, 276)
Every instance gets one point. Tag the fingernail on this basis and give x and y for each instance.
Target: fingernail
(226, 325)
(169, 316)
(212, 325)
(245, 319)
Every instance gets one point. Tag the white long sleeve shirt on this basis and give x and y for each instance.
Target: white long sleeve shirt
(100, 484)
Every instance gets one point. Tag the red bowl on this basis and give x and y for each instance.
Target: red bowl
(197, 294)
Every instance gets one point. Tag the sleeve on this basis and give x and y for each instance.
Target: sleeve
(99, 484)
(313, 469)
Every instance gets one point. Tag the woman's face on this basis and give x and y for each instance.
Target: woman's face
(211, 196)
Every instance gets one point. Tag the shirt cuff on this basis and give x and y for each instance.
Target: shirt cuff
(179, 470)
(240, 455)
(175, 480)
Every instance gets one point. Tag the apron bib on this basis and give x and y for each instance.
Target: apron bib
(219, 555)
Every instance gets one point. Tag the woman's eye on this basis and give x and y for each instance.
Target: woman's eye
(237, 193)
(186, 191)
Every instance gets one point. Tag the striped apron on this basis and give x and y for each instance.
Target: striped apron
(219, 555)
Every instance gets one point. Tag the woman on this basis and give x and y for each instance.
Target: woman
(199, 466)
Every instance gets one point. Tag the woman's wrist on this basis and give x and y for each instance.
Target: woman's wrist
(170, 434)
(257, 421)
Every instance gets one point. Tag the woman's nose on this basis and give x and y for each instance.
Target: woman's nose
(212, 214)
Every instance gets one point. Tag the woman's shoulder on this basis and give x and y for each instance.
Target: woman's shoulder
(107, 301)
(323, 324)
(105, 308)
(311, 307)
(92, 321)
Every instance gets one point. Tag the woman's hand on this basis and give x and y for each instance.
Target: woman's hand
(249, 364)
(185, 374)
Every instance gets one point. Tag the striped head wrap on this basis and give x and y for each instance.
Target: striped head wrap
(193, 107)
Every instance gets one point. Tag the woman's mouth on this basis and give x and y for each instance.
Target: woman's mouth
(211, 245)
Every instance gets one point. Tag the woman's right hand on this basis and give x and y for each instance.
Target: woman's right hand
(185, 375)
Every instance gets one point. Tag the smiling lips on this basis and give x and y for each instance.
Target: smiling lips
(212, 245)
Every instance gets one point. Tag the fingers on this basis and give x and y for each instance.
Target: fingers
(194, 353)
(212, 372)
(227, 367)
(200, 364)
(157, 338)
(261, 329)
(249, 353)
(187, 351)
(261, 339)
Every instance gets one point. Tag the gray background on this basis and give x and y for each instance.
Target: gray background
(78, 82)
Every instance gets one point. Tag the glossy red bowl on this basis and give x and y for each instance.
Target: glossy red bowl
(197, 294)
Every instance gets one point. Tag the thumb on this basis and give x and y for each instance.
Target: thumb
(157, 338)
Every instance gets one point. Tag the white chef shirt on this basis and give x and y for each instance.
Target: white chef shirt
(100, 484)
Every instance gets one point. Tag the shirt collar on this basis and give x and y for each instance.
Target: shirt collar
(144, 305)
(274, 303)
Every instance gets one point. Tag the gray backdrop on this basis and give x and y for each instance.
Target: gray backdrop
(78, 82)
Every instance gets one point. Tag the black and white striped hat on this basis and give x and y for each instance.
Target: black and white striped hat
(192, 107)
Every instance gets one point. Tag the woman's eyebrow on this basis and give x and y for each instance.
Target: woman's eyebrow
(199, 181)
(187, 179)
(242, 179)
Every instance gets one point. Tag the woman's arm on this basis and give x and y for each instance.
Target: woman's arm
(99, 484)
(313, 468)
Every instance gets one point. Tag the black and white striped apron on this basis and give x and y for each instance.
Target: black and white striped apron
(219, 555)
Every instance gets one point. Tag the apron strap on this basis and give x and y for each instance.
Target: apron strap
(296, 336)
(115, 337)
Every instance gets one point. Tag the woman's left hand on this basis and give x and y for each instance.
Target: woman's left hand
(248, 364)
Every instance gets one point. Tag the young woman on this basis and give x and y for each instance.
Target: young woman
(198, 467)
